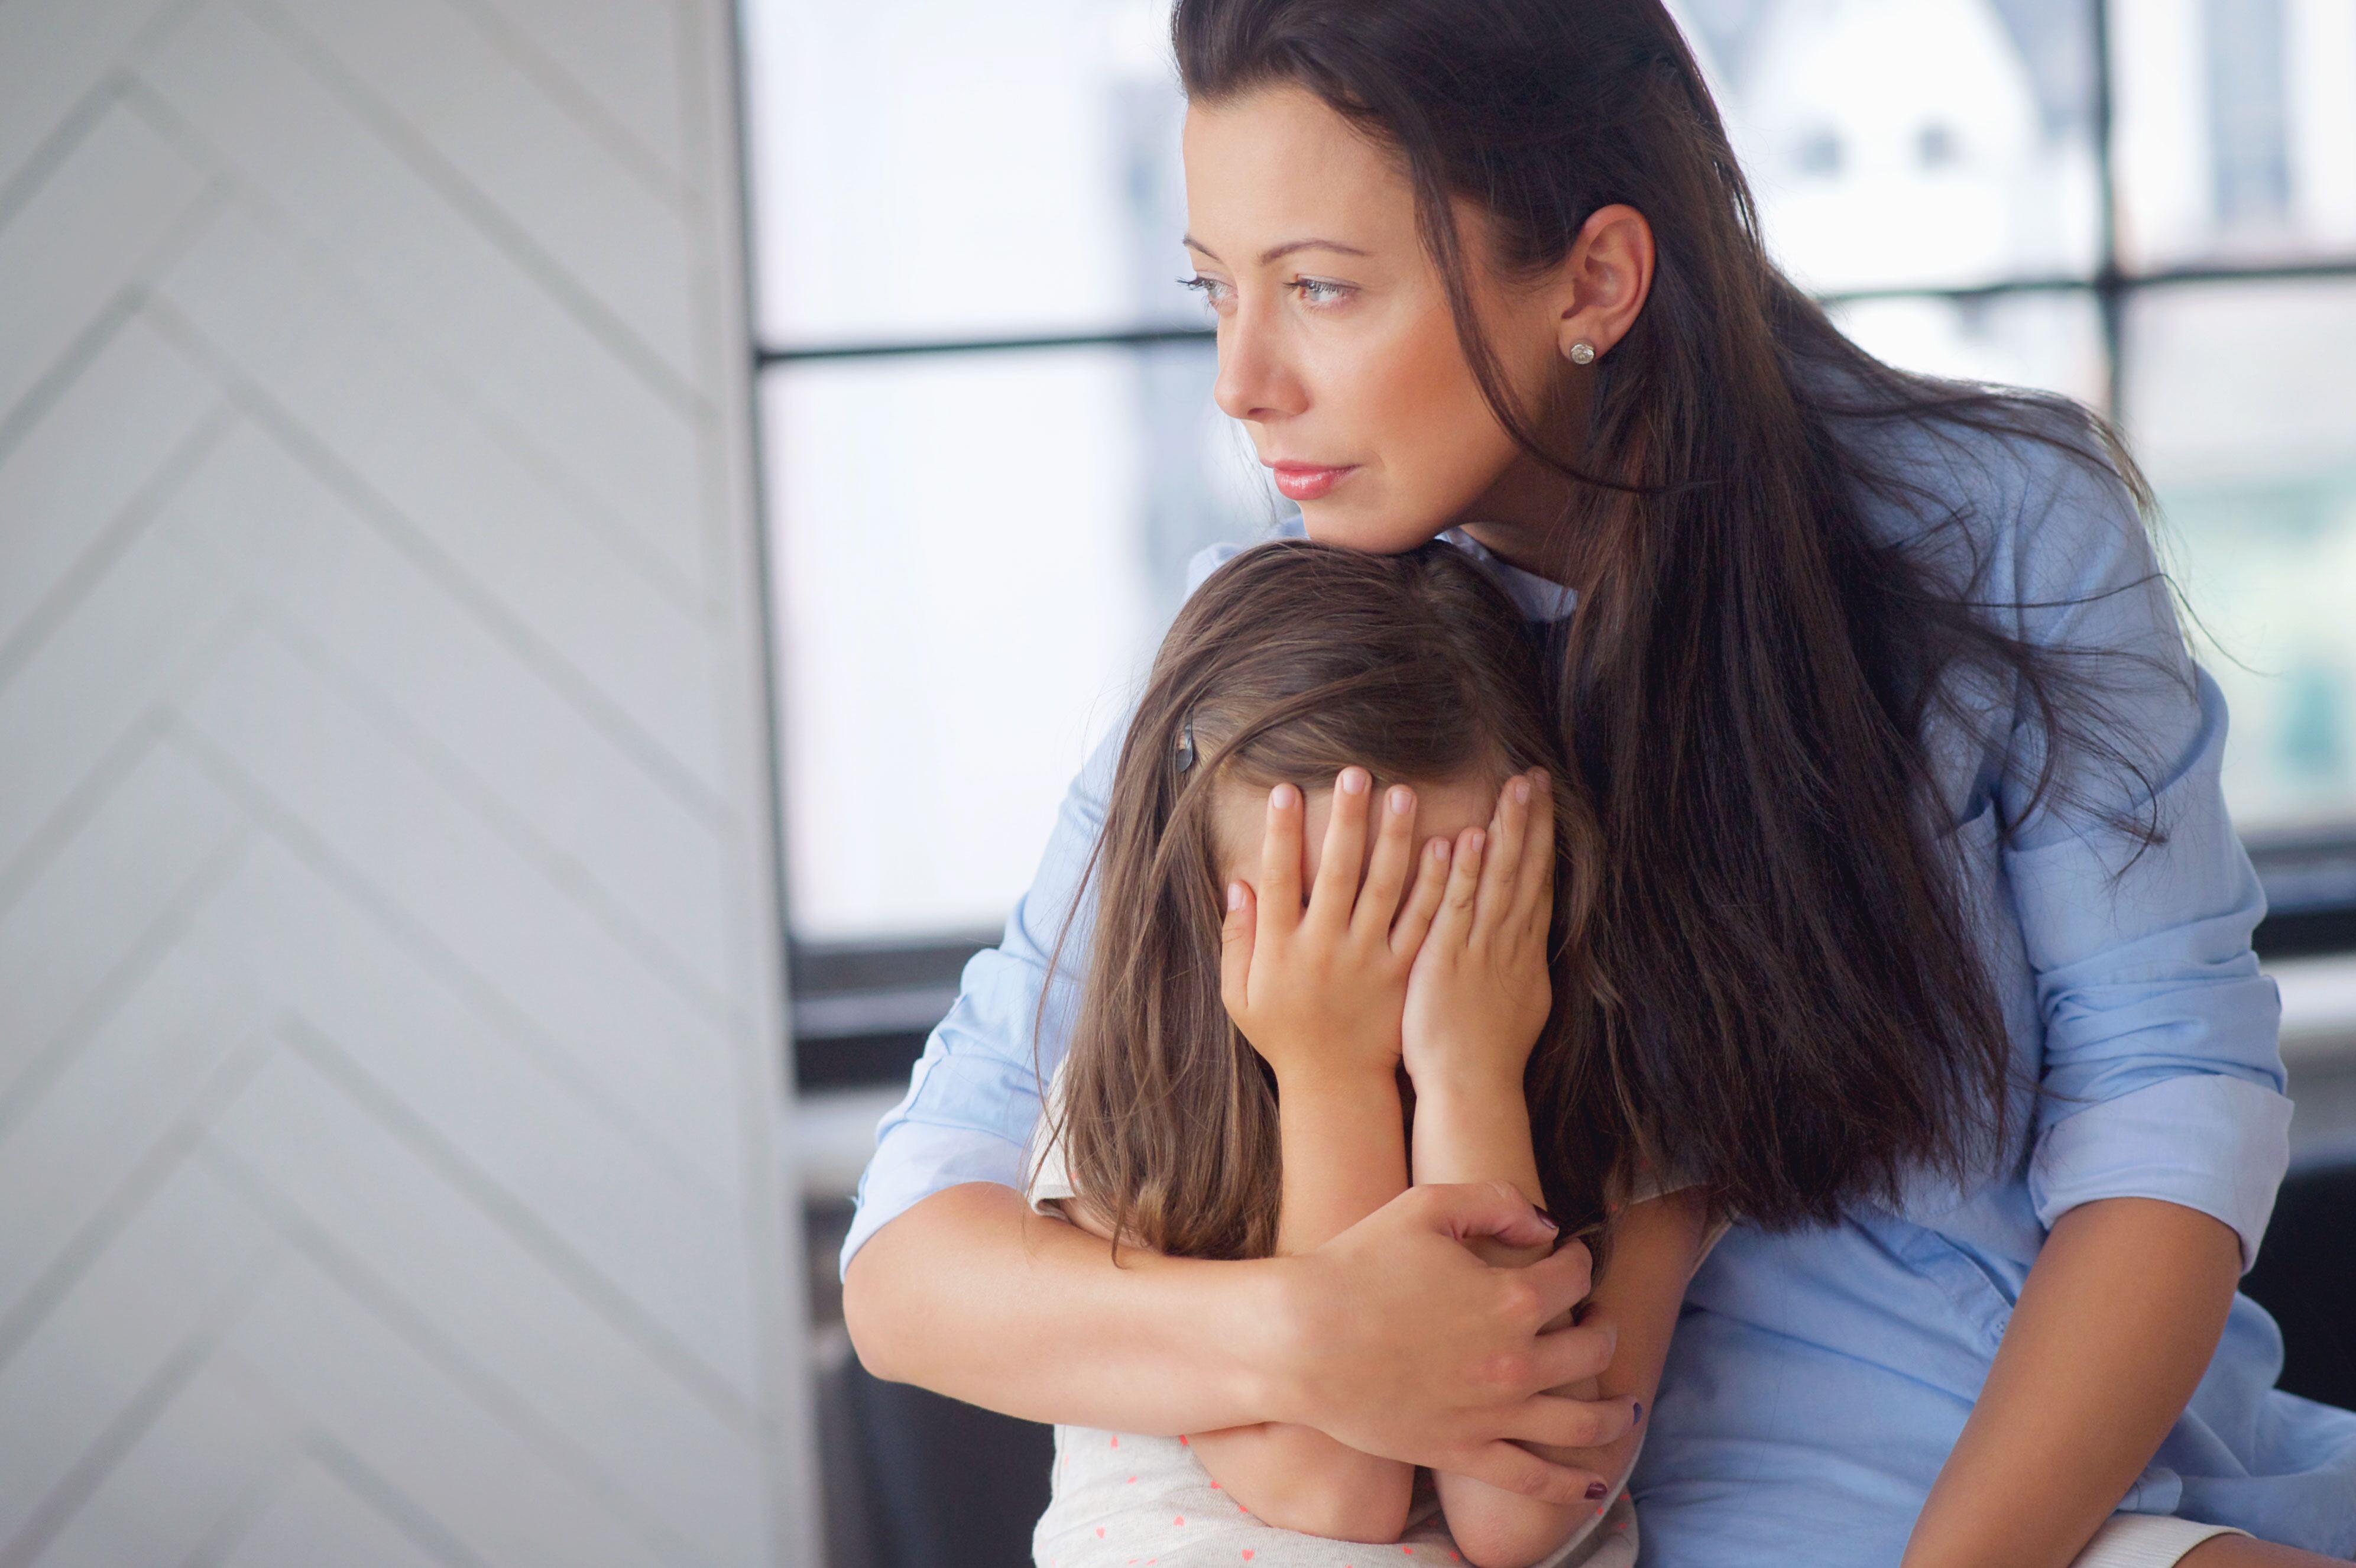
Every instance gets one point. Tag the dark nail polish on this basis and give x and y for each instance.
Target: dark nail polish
(1595, 1490)
(1640, 1414)
(1546, 1218)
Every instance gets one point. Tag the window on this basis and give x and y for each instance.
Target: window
(986, 402)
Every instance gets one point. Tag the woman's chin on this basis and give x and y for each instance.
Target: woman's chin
(1357, 526)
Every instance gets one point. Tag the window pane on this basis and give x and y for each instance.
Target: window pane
(937, 168)
(2049, 340)
(2241, 407)
(974, 557)
(1912, 143)
(2236, 131)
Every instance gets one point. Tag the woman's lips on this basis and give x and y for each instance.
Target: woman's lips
(1309, 481)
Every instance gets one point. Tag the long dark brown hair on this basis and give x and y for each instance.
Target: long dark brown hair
(1788, 987)
(1293, 661)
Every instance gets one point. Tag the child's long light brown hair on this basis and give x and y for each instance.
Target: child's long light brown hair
(1293, 661)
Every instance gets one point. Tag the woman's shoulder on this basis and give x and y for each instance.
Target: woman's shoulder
(2019, 503)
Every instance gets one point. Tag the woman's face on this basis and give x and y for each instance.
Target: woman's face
(1337, 349)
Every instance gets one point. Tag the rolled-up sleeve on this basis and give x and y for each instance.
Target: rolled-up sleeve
(974, 1096)
(2162, 1072)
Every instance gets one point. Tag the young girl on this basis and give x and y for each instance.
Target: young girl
(1268, 995)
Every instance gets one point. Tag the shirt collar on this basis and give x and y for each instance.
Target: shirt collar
(1540, 599)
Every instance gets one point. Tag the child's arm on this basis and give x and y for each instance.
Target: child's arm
(2117, 1322)
(1344, 1156)
(1318, 987)
(1656, 1246)
(1463, 1135)
(1477, 1001)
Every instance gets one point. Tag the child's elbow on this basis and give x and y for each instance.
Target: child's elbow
(1490, 1541)
(1370, 1506)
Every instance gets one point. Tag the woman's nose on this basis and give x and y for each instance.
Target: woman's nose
(1254, 381)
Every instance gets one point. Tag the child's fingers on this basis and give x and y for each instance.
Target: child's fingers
(1453, 923)
(1337, 887)
(1504, 862)
(1534, 888)
(1279, 861)
(1422, 899)
(1386, 871)
(1235, 950)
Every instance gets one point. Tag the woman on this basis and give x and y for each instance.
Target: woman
(1923, 939)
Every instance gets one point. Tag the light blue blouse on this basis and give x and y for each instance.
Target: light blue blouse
(1818, 1380)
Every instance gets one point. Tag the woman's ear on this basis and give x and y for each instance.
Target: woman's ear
(1603, 282)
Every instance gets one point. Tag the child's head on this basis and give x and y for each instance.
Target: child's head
(1296, 661)
(1293, 662)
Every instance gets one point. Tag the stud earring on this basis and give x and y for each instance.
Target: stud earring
(1582, 352)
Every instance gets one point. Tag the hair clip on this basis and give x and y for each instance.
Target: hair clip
(1186, 754)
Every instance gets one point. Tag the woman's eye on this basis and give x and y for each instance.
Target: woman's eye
(1317, 291)
(1214, 291)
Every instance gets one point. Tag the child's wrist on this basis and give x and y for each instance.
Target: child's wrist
(1461, 1077)
(1331, 1073)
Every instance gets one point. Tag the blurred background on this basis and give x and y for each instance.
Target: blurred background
(557, 556)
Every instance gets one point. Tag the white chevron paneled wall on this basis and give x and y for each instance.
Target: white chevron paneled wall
(389, 984)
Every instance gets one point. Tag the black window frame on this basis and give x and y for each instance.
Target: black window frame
(861, 1011)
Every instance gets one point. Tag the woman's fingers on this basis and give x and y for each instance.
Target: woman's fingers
(1463, 1209)
(1279, 861)
(1516, 1469)
(1560, 1422)
(1404, 1332)
(1422, 899)
(1386, 871)
(1565, 1355)
(1337, 887)
(1235, 950)
(1563, 1280)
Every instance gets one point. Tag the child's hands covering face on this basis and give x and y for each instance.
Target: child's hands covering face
(1478, 993)
(1322, 989)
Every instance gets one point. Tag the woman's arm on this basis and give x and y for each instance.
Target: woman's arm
(1392, 1335)
(2116, 1323)
(2160, 1121)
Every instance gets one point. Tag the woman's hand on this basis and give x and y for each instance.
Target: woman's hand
(1478, 993)
(1394, 1339)
(1319, 990)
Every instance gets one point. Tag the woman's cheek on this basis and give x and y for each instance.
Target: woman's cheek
(1445, 469)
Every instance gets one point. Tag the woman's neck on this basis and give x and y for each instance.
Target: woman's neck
(1521, 518)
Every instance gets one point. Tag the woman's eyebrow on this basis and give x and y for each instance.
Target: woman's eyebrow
(1279, 251)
